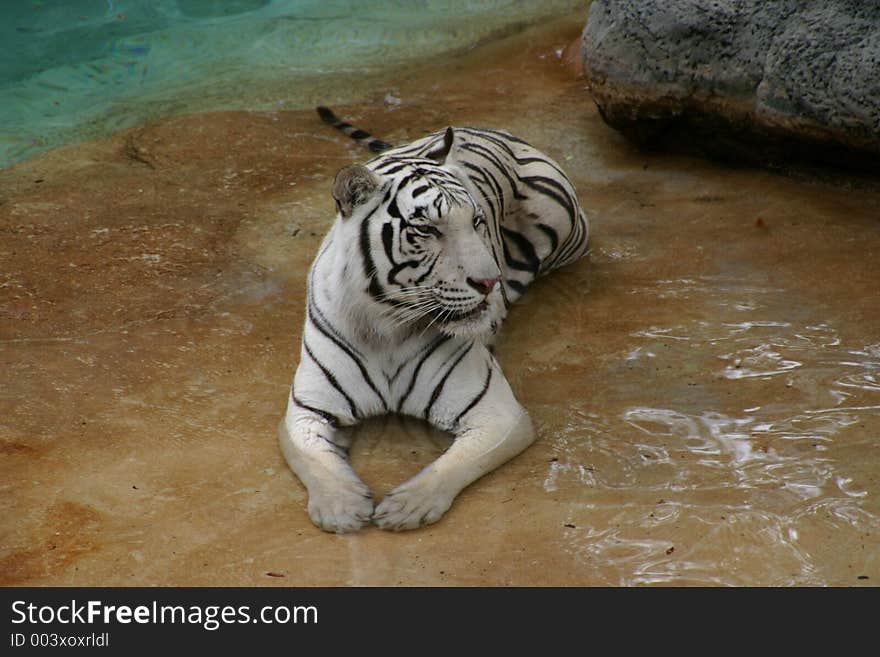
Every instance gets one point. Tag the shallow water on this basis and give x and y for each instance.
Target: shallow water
(87, 68)
(706, 385)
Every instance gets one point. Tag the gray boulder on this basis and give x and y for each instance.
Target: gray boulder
(761, 81)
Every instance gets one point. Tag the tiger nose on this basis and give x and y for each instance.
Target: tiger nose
(483, 285)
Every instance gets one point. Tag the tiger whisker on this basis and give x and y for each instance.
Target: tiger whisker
(413, 314)
(406, 292)
(394, 322)
(410, 313)
(402, 296)
(415, 303)
(409, 316)
(446, 312)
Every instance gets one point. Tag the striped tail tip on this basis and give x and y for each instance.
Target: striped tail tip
(361, 136)
(326, 114)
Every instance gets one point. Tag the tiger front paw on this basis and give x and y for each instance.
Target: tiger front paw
(342, 509)
(410, 506)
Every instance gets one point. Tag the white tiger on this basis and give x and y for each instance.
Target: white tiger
(431, 244)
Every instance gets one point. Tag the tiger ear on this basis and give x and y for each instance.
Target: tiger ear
(441, 153)
(353, 186)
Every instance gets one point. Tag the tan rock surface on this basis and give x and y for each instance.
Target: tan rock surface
(705, 384)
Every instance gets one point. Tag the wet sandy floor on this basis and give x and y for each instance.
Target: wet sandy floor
(706, 385)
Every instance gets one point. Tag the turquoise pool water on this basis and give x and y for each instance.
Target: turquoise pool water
(73, 69)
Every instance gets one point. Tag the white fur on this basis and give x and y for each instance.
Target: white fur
(394, 361)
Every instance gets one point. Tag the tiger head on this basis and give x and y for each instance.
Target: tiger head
(424, 245)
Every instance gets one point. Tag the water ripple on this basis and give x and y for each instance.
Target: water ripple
(726, 497)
